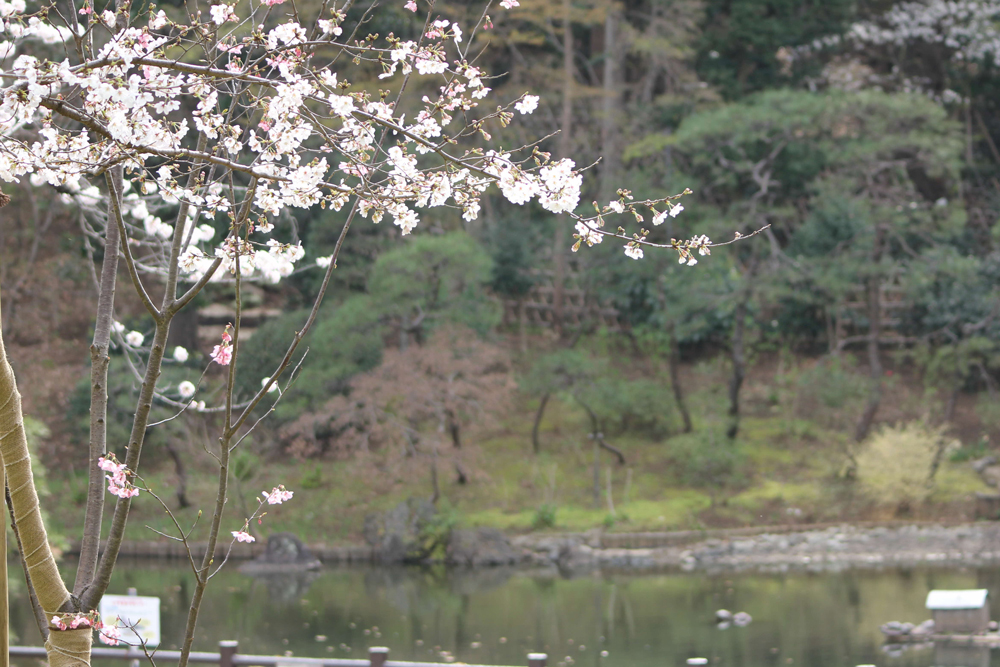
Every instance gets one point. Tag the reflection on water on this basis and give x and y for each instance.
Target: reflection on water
(496, 616)
(961, 656)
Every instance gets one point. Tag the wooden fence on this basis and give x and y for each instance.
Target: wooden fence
(229, 656)
(328, 553)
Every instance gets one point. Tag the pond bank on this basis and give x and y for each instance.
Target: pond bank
(833, 547)
(776, 548)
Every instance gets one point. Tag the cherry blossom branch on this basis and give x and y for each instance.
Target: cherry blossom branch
(321, 294)
(180, 531)
(271, 385)
(231, 377)
(201, 282)
(183, 406)
(64, 109)
(115, 198)
(299, 335)
(127, 110)
(277, 496)
(201, 580)
(93, 593)
(170, 289)
(99, 360)
(204, 70)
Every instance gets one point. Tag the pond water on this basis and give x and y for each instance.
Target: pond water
(825, 619)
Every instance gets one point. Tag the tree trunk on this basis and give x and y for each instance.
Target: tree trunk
(40, 621)
(565, 148)
(4, 596)
(674, 362)
(522, 325)
(949, 408)
(597, 471)
(611, 501)
(182, 500)
(611, 165)
(874, 333)
(454, 428)
(435, 490)
(739, 368)
(538, 422)
(99, 362)
(70, 648)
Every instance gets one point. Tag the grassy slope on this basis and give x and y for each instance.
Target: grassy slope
(787, 471)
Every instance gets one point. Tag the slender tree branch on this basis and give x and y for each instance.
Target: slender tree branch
(170, 291)
(115, 199)
(99, 362)
(200, 284)
(40, 619)
(93, 593)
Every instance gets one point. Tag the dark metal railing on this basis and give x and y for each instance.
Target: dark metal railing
(229, 656)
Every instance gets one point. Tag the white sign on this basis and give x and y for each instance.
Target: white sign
(140, 617)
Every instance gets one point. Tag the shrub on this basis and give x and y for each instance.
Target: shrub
(971, 451)
(261, 353)
(245, 465)
(419, 287)
(618, 403)
(896, 465)
(312, 478)
(346, 340)
(436, 532)
(831, 384)
(705, 458)
(444, 278)
(123, 390)
(545, 517)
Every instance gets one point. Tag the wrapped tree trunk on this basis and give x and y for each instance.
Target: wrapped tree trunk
(69, 648)
(4, 596)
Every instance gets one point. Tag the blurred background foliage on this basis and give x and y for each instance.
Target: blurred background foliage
(859, 322)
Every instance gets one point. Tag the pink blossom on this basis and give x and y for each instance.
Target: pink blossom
(121, 489)
(411, 5)
(110, 465)
(509, 4)
(80, 622)
(226, 338)
(243, 536)
(272, 3)
(222, 354)
(110, 635)
(87, 10)
(277, 495)
(58, 623)
(118, 484)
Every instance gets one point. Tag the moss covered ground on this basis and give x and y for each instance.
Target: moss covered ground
(787, 465)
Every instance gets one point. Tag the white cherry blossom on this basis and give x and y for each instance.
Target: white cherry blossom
(527, 104)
